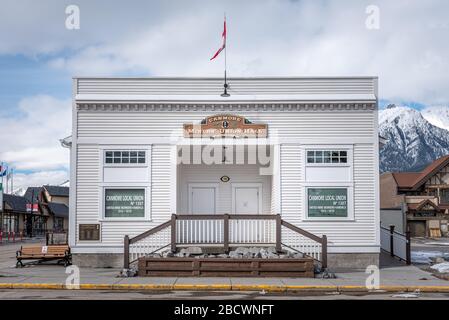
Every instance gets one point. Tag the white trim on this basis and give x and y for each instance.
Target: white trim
(122, 149)
(234, 98)
(138, 141)
(73, 172)
(103, 248)
(350, 202)
(277, 176)
(257, 185)
(147, 185)
(376, 174)
(192, 185)
(174, 179)
(349, 148)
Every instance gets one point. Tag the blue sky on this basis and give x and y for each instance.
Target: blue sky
(39, 55)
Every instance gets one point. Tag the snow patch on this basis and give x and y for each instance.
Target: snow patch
(441, 267)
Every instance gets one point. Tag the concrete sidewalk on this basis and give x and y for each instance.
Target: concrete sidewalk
(394, 279)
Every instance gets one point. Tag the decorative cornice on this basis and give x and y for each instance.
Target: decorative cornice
(223, 107)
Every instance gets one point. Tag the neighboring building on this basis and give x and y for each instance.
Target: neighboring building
(35, 223)
(425, 196)
(50, 210)
(319, 135)
(14, 213)
(55, 201)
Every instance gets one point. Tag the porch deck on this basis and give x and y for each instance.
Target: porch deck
(226, 231)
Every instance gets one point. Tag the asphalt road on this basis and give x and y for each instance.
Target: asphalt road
(198, 295)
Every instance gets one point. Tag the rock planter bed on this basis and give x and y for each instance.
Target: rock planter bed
(241, 262)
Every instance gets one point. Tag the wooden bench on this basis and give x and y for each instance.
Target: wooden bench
(44, 253)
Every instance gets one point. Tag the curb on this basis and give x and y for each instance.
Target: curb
(226, 287)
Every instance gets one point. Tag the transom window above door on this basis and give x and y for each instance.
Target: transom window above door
(125, 157)
(327, 156)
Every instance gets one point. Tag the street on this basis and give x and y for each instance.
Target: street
(392, 273)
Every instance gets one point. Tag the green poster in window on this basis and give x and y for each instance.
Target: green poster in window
(124, 203)
(327, 202)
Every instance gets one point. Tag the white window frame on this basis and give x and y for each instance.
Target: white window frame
(348, 148)
(329, 184)
(127, 149)
(125, 185)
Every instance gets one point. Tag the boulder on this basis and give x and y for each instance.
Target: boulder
(183, 253)
(247, 255)
(263, 253)
(438, 260)
(271, 250)
(234, 254)
(193, 250)
(254, 250)
(242, 250)
(167, 254)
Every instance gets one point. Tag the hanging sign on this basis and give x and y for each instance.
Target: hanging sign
(225, 125)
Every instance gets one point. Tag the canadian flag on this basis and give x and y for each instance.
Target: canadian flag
(224, 41)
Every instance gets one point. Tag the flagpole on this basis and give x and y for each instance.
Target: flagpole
(225, 93)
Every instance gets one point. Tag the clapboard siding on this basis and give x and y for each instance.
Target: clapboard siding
(301, 125)
(87, 190)
(161, 182)
(241, 86)
(361, 231)
(96, 123)
(89, 194)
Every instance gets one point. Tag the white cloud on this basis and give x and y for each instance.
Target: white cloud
(302, 38)
(30, 139)
(36, 179)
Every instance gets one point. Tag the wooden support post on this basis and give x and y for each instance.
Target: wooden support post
(278, 233)
(408, 249)
(391, 241)
(126, 252)
(226, 232)
(173, 232)
(324, 252)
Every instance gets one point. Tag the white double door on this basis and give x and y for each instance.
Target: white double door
(246, 198)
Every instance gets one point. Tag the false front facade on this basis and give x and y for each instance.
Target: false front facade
(301, 149)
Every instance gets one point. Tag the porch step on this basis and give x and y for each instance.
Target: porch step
(225, 267)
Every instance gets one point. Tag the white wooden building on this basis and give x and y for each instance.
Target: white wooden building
(144, 149)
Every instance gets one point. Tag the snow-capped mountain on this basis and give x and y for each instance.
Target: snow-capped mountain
(438, 116)
(413, 142)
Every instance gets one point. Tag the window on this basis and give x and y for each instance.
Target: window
(444, 196)
(327, 156)
(125, 157)
(124, 203)
(58, 224)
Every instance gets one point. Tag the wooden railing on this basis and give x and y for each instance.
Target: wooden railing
(226, 231)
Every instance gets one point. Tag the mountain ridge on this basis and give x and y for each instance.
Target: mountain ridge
(412, 141)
